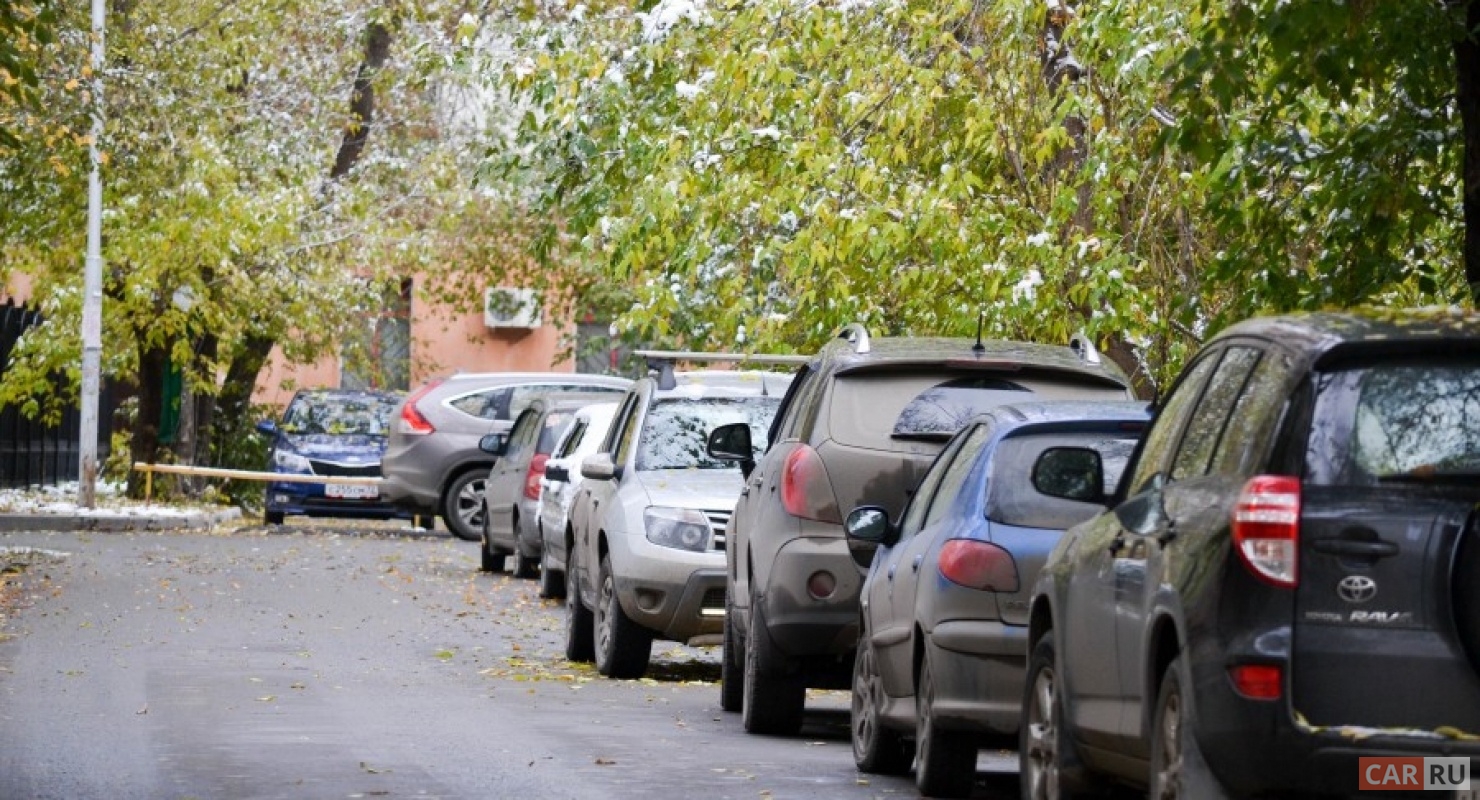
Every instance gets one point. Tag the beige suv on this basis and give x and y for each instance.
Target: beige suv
(861, 424)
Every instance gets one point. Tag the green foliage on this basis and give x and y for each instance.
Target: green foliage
(26, 26)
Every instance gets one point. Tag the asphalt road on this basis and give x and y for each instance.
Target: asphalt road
(350, 661)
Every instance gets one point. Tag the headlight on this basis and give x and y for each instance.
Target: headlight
(681, 528)
(284, 461)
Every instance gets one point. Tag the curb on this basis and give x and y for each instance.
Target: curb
(115, 523)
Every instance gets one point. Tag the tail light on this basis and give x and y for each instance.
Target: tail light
(412, 422)
(1258, 681)
(806, 491)
(978, 565)
(1266, 528)
(532, 478)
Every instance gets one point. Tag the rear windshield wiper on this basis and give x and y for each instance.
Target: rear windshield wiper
(1428, 474)
(922, 436)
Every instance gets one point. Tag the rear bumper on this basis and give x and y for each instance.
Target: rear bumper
(803, 626)
(978, 667)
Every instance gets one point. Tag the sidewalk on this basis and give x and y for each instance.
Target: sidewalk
(54, 508)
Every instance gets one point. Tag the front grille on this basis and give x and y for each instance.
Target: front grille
(345, 470)
(714, 598)
(720, 522)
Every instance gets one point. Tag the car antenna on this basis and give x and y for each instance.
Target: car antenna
(979, 348)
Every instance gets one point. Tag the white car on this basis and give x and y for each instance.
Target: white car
(648, 556)
(558, 488)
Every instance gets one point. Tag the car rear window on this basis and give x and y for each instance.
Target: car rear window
(884, 411)
(1397, 421)
(676, 430)
(1012, 499)
(555, 424)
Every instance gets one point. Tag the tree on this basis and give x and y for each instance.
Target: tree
(25, 28)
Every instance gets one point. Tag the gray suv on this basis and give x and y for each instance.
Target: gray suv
(861, 424)
(432, 464)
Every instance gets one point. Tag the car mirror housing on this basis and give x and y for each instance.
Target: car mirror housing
(1070, 473)
(731, 443)
(494, 444)
(267, 427)
(599, 467)
(560, 474)
(871, 524)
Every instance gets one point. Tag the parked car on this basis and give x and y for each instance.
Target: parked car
(861, 424)
(650, 517)
(432, 464)
(558, 487)
(944, 625)
(334, 433)
(1285, 581)
(512, 492)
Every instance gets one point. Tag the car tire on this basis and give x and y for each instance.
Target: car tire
(491, 558)
(775, 695)
(876, 749)
(552, 581)
(273, 517)
(946, 760)
(623, 647)
(579, 639)
(731, 664)
(1177, 765)
(1048, 765)
(1467, 592)
(462, 504)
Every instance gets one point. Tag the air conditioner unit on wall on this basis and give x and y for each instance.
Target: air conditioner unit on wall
(510, 308)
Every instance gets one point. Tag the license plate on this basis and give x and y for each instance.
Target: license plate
(351, 491)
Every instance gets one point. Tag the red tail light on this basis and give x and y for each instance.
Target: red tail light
(978, 565)
(806, 491)
(1258, 681)
(1266, 528)
(532, 478)
(412, 422)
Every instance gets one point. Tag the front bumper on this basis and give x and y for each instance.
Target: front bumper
(310, 500)
(804, 626)
(677, 594)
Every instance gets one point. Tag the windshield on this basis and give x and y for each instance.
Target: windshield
(339, 414)
(1397, 421)
(676, 430)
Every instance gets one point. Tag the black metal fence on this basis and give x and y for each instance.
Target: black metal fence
(32, 453)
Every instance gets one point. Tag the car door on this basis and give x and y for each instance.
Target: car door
(1104, 562)
(894, 572)
(585, 512)
(506, 477)
(561, 473)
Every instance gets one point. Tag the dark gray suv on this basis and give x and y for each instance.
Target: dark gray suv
(860, 425)
(1288, 580)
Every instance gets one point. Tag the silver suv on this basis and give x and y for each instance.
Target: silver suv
(648, 523)
(860, 426)
(432, 464)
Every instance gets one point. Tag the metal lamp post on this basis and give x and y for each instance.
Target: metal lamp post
(92, 285)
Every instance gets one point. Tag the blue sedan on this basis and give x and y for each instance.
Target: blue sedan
(942, 652)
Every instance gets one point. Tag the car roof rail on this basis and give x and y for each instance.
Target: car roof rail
(662, 361)
(1084, 348)
(857, 335)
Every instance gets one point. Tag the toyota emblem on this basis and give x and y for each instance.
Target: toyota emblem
(1357, 588)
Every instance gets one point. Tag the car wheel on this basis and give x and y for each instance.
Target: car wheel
(552, 581)
(524, 566)
(462, 504)
(1048, 766)
(579, 646)
(492, 558)
(1177, 766)
(947, 759)
(273, 517)
(876, 749)
(622, 646)
(775, 695)
(731, 666)
(1467, 594)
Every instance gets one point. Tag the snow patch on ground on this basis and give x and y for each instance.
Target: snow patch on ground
(62, 499)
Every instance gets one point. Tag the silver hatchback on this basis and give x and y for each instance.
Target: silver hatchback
(432, 464)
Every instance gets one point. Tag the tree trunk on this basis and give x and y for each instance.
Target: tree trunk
(362, 101)
(1467, 64)
(144, 444)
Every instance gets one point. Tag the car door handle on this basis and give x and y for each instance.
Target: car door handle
(1116, 545)
(1356, 548)
(745, 492)
(915, 565)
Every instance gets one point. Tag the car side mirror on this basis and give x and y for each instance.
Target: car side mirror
(732, 443)
(870, 524)
(267, 427)
(494, 444)
(599, 467)
(558, 474)
(1070, 473)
